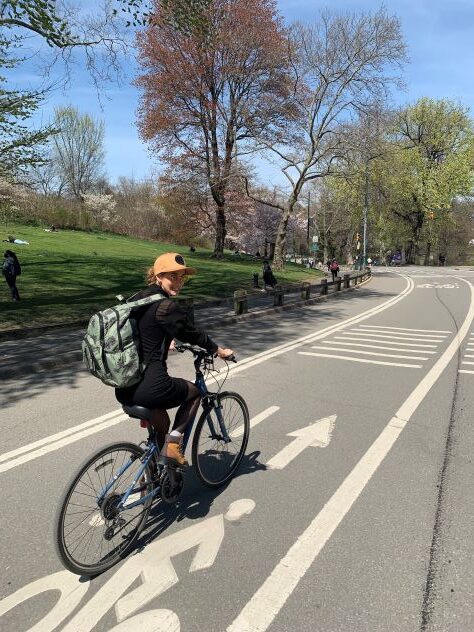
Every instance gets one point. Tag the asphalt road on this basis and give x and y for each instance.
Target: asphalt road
(363, 525)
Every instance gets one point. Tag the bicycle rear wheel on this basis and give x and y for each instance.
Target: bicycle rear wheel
(92, 535)
(214, 459)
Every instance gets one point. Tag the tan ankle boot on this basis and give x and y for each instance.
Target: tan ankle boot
(172, 449)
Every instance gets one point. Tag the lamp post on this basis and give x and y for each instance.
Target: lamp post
(366, 212)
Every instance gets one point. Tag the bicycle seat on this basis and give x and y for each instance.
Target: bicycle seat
(138, 412)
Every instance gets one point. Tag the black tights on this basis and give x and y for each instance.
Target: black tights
(161, 421)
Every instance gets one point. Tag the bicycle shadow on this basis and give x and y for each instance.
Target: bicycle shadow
(194, 503)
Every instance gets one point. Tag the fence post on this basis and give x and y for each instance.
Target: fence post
(240, 302)
(338, 283)
(305, 290)
(277, 297)
(347, 280)
(255, 279)
(324, 287)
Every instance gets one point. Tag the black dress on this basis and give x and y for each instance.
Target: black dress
(158, 324)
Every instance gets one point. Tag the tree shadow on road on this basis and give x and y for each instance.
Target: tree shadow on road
(247, 337)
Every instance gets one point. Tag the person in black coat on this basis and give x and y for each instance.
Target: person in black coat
(10, 270)
(268, 277)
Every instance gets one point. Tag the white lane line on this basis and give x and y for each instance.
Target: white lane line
(258, 614)
(466, 362)
(61, 443)
(465, 371)
(432, 331)
(400, 335)
(390, 342)
(243, 365)
(256, 420)
(373, 353)
(468, 355)
(354, 332)
(98, 421)
(323, 333)
(359, 344)
(363, 360)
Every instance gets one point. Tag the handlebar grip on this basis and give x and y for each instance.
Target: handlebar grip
(232, 358)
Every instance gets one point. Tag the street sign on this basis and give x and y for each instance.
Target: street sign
(314, 247)
(315, 239)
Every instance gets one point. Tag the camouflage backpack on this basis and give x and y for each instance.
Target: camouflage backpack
(111, 346)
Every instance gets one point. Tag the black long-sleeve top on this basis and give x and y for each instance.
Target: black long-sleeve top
(161, 322)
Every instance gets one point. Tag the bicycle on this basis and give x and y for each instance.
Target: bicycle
(107, 503)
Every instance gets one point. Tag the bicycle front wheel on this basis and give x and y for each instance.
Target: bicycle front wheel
(92, 533)
(220, 440)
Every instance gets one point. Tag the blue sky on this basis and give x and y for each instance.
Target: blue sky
(439, 35)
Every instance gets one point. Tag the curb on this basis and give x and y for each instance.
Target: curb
(76, 356)
(26, 332)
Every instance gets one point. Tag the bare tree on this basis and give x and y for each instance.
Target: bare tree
(207, 82)
(339, 66)
(78, 152)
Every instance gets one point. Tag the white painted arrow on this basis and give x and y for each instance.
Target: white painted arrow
(317, 435)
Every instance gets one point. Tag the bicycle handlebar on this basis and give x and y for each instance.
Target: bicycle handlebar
(196, 351)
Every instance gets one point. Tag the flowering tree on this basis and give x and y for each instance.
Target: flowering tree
(211, 79)
(101, 206)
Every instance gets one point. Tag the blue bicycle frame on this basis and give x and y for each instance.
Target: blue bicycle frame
(210, 401)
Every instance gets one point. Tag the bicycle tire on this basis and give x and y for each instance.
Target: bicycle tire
(202, 461)
(71, 559)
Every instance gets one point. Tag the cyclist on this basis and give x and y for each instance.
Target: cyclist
(158, 325)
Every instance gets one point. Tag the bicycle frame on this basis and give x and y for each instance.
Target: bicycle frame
(209, 401)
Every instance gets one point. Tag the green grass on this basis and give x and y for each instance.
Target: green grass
(68, 275)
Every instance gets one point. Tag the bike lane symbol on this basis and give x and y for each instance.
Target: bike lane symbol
(153, 567)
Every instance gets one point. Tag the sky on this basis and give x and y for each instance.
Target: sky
(439, 35)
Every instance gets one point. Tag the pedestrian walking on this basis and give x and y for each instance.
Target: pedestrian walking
(11, 269)
(268, 276)
(334, 269)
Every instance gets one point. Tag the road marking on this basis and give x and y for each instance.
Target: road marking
(361, 334)
(317, 435)
(399, 344)
(373, 353)
(73, 434)
(465, 362)
(468, 355)
(359, 344)
(432, 331)
(255, 420)
(465, 371)
(258, 614)
(401, 335)
(59, 435)
(362, 360)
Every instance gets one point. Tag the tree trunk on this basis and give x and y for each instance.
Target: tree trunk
(280, 244)
(220, 232)
(427, 254)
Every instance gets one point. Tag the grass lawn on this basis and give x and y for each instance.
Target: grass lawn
(68, 275)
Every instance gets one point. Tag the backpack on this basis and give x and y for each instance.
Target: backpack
(111, 345)
(17, 267)
(334, 267)
(8, 267)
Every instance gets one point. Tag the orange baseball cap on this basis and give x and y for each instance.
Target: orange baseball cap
(171, 262)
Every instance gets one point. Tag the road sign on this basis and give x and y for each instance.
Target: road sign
(315, 239)
(314, 247)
